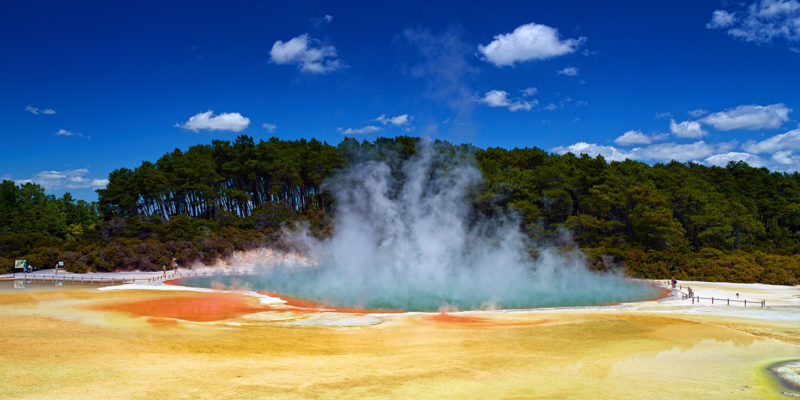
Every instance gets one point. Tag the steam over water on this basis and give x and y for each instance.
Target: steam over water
(405, 240)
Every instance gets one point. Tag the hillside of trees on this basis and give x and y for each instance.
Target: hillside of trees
(736, 223)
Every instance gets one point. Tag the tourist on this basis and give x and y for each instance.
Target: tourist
(164, 268)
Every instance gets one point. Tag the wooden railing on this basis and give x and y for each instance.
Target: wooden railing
(92, 279)
(727, 301)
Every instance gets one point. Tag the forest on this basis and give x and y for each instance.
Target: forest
(735, 223)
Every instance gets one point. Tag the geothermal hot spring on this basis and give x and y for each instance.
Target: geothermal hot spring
(406, 238)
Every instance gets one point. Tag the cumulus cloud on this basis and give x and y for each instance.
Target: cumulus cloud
(672, 151)
(750, 117)
(359, 131)
(568, 71)
(610, 153)
(783, 142)
(307, 53)
(328, 18)
(64, 132)
(785, 158)
(499, 98)
(269, 127)
(529, 91)
(723, 159)
(527, 42)
(686, 129)
(233, 122)
(696, 151)
(67, 179)
(637, 137)
(761, 22)
(37, 110)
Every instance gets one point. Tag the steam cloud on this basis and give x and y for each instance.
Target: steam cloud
(403, 240)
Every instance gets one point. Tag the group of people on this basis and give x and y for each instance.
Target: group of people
(174, 267)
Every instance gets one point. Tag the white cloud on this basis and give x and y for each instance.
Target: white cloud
(67, 179)
(399, 120)
(64, 132)
(783, 142)
(328, 18)
(660, 115)
(528, 42)
(720, 19)
(233, 122)
(655, 152)
(637, 137)
(750, 117)
(550, 107)
(686, 129)
(37, 110)
(672, 151)
(499, 98)
(761, 22)
(723, 159)
(699, 112)
(568, 71)
(719, 154)
(269, 127)
(529, 91)
(610, 153)
(359, 131)
(308, 53)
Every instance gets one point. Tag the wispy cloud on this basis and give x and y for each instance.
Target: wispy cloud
(499, 98)
(233, 122)
(37, 110)
(760, 22)
(307, 53)
(527, 42)
(271, 128)
(638, 137)
(568, 71)
(64, 132)
(443, 63)
(697, 113)
(401, 121)
(66, 179)
(359, 131)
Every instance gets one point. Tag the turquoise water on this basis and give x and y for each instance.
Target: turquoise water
(429, 295)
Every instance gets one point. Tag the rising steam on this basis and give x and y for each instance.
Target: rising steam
(407, 239)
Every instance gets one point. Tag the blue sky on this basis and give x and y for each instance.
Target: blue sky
(88, 87)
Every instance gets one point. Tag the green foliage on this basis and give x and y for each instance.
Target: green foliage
(735, 223)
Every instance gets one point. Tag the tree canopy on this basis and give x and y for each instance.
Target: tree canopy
(735, 223)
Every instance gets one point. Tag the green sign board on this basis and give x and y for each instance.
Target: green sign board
(20, 264)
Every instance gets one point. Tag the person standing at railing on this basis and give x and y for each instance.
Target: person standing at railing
(175, 266)
(164, 268)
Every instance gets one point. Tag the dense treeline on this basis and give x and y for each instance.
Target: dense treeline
(736, 223)
(223, 177)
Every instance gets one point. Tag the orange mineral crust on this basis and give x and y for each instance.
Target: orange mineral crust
(195, 307)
